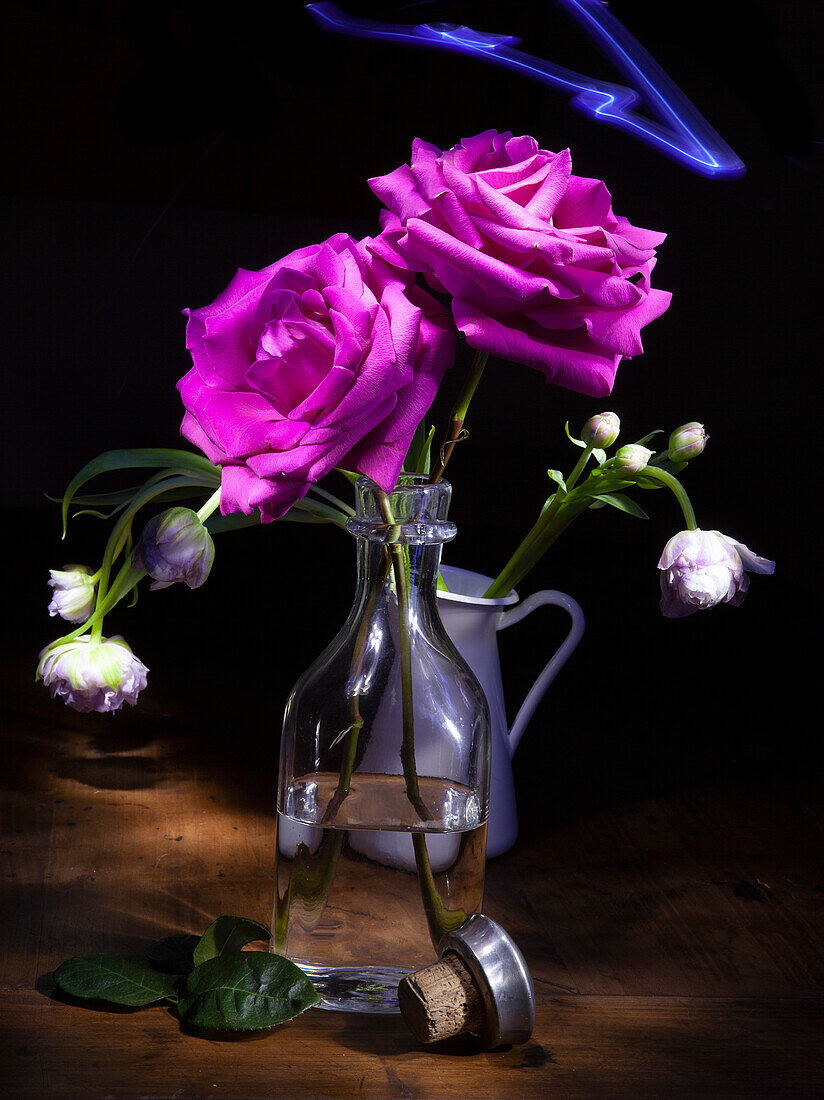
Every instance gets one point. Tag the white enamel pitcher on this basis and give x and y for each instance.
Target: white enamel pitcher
(472, 623)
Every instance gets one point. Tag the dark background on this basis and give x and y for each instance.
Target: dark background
(153, 148)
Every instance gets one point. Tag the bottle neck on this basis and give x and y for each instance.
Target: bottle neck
(402, 529)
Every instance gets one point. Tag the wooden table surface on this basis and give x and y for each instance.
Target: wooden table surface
(670, 911)
(675, 942)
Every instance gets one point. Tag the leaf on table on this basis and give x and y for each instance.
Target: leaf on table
(122, 979)
(245, 990)
(175, 953)
(228, 934)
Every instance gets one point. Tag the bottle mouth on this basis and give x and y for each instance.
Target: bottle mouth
(413, 514)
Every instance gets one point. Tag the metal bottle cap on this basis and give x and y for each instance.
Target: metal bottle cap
(501, 974)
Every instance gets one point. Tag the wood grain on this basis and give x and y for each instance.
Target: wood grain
(675, 941)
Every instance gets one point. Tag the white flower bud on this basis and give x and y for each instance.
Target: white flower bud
(632, 458)
(687, 442)
(601, 430)
(74, 593)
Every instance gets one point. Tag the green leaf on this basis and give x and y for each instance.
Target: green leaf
(572, 439)
(228, 934)
(245, 990)
(622, 503)
(216, 523)
(175, 953)
(140, 457)
(648, 482)
(664, 463)
(599, 455)
(122, 979)
(608, 482)
(557, 477)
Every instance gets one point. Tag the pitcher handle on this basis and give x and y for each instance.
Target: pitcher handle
(555, 663)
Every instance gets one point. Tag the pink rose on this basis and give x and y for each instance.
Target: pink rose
(327, 358)
(539, 268)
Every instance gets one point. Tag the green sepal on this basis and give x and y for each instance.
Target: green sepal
(572, 439)
(351, 475)
(122, 979)
(245, 991)
(227, 934)
(546, 504)
(418, 457)
(175, 953)
(621, 502)
(558, 477)
(650, 435)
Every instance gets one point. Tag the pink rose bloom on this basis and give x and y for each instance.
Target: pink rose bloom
(540, 269)
(700, 569)
(327, 358)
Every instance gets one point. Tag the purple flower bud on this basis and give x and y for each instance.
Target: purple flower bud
(89, 675)
(702, 568)
(631, 458)
(175, 546)
(601, 430)
(687, 442)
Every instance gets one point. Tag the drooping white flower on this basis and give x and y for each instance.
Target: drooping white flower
(74, 593)
(175, 546)
(702, 568)
(92, 675)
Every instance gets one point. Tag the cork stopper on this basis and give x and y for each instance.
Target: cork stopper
(441, 1001)
(480, 983)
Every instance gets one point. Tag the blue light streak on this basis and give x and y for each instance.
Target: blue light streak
(681, 132)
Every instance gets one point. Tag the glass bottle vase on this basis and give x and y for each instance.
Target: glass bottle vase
(384, 771)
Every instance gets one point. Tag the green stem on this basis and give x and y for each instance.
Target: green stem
(535, 545)
(458, 416)
(310, 881)
(210, 506)
(679, 491)
(410, 771)
(578, 467)
(439, 918)
(350, 749)
(336, 501)
(120, 533)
